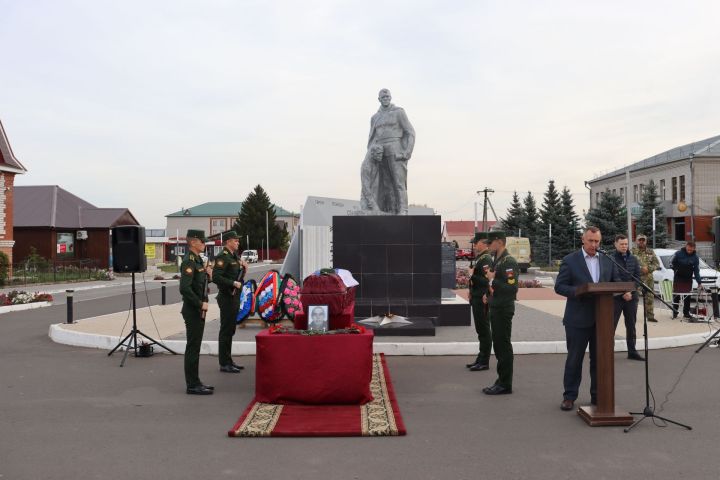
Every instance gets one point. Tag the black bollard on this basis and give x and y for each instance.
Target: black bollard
(69, 302)
(162, 290)
(714, 297)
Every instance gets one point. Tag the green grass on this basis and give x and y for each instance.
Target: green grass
(168, 268)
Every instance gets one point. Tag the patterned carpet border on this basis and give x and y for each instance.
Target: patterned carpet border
(379, 417)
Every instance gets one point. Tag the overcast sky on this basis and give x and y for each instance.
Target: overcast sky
(158, 105)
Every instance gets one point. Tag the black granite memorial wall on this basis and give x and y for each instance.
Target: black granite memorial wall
(393, 257)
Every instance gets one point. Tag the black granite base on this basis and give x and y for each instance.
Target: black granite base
(454, 315)
(421, 327)
(406, 307)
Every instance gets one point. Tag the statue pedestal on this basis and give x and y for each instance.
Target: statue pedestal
(396, 259)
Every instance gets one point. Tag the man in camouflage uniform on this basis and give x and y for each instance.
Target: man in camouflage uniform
(503, 277)
(479, 292)
(192, 280)
(648, 264)
(225, 275)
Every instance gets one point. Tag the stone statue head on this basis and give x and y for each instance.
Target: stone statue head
(384, 97)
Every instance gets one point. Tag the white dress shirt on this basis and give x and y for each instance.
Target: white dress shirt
(593, 264)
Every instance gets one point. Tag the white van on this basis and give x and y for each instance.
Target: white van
(250, 256)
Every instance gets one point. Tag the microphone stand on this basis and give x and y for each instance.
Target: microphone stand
(648, 411)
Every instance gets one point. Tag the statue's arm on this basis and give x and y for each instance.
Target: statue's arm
(372, 131)
(409, 135)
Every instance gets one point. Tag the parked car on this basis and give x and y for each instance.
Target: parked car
(250, 256)
(708, 275)
(463, 254)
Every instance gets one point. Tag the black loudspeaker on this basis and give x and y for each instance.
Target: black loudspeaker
(716, 245)
(128, 249)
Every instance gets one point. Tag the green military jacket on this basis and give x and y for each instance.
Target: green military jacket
(647, 259)
(505, 284)
(192, 280)
(225, 272)
(479, 284)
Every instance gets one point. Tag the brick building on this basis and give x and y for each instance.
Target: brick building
(9, 167)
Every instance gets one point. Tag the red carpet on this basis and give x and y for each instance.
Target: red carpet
(380, 417)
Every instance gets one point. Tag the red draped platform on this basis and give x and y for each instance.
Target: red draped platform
(379, 417)
(313, 369)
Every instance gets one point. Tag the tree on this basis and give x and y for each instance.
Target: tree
(571, 221)
(530, 219)
(609, 216)
(251, 221)
(648, 202)
(512, 223)
(550, 215)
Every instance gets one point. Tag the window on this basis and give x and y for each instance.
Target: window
(218, 225)
(642, 190)
(65, 246)
(635, 193)
(597, 199)
(614, 191)
(674, 189)
(682, 188)
(622, 194)
(662, 189)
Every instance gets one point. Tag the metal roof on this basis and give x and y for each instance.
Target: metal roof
(710, 147)
(8, 162)
(52, 206)
(221, 209)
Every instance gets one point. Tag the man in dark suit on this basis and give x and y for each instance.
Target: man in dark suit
(579, 268)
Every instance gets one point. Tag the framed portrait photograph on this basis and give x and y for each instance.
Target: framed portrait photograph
(318, 318)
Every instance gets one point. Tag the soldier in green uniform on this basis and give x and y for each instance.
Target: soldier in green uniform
(192, 280)
(479, 291)
(225, 275)
(648, 264)
(503, 277)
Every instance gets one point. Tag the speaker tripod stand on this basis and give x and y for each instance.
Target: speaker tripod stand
(131, 339)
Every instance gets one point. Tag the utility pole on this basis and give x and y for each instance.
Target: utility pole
(550, 244)
(486, 202)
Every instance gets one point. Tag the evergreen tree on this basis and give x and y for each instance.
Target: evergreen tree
(550, 214)
(643, 224)
(512, 223)
(609, 216)
(529, 223)
(251, 221)
(571, 221)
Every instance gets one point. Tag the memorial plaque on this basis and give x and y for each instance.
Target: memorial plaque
(447, 265)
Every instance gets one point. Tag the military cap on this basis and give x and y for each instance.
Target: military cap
(199, 234)
(480, 237)
(230, 235)
(641, 236)
(496, 235)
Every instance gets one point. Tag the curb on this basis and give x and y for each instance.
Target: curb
(108, 342)
(24, 306)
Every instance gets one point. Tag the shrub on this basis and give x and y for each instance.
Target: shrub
(529, 284)
(158, 277)
(176, 277)
(4, 268)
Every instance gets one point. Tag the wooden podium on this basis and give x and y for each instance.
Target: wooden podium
(605, 413)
